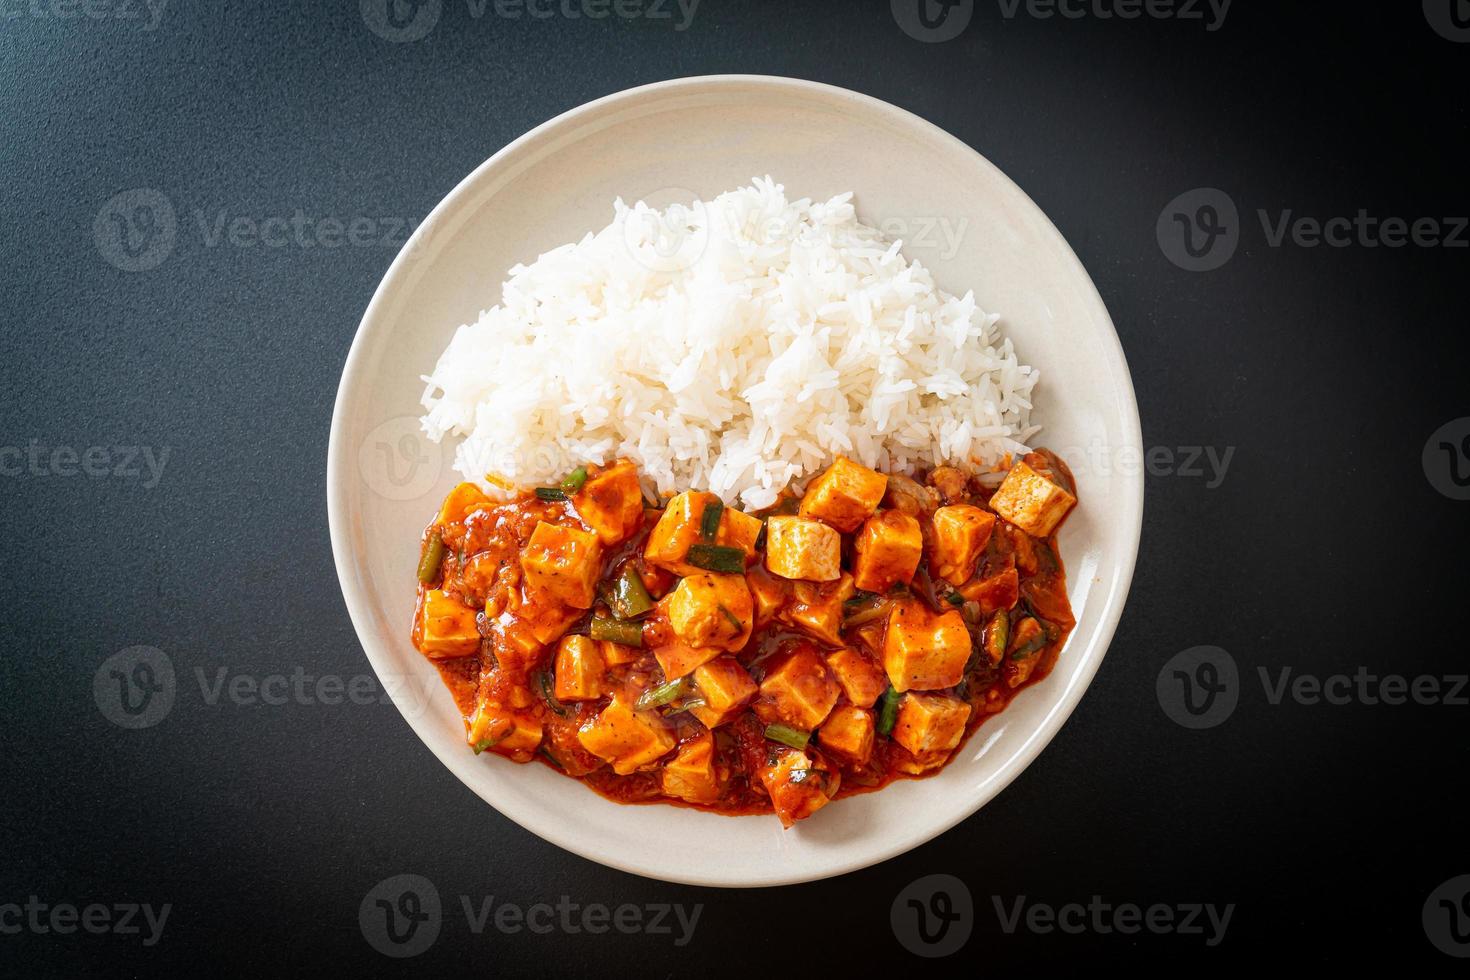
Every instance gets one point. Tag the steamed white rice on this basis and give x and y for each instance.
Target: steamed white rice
(735, 345)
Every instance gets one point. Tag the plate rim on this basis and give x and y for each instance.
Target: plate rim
(1131, 488)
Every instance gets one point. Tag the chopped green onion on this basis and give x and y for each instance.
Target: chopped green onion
(955, 599)
(732, 619)
(760, 538)
(432, 556)
(997, 636)
(716, 558)
(622, 631)
(550, 494)
(709, 521)
(888, 714)
(786, 735)
(657, 697)
(551, 758)
(575, 479)
(629, 596)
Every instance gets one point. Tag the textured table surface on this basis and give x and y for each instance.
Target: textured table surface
(1300, 369)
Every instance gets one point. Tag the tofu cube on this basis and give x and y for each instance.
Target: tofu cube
(816, 608)
(497, 728)
(690, 774)
(798, 689)
(680, 526)
(611, 503)
(579, 669)
(563, 562)
(859, 676)
(463, 499)
(712, 610)
(802, 548)
(848, 734)
(887, 550)
(546, 618)
(618, 655)
(799, 784)
(768, 593)
(844, 496)
(676, 530)
(1030, 501)
(678, 658)
(922, 651)
(513, 642)
(999, 591)
(625, 737)
(930, 724)
(725, 687)
(739, 530)
(961, 533)
(446, 626)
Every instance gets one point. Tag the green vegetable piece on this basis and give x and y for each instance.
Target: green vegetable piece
(550, 494)
(431, 558)
(786, 735)
(575, 479)
(657, 697)
(888, 714)
(709, 521)
(716, 558)
(622, 631)
(628, 595)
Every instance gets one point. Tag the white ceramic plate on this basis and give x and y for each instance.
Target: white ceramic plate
(959, 215)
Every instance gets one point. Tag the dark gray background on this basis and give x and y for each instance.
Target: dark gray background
(1324, 548)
